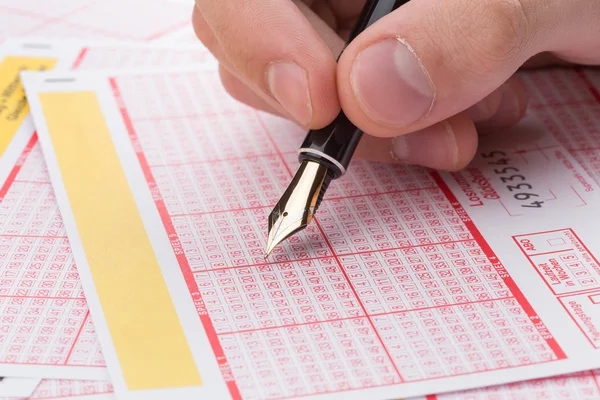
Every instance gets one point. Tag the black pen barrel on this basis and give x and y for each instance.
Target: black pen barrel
(335, 144)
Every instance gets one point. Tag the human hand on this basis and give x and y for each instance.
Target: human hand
(420, 82)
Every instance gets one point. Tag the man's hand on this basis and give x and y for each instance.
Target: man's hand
(418, 82)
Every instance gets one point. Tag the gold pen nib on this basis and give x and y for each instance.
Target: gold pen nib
(297, 206)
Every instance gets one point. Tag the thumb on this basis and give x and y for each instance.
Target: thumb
(430, 60)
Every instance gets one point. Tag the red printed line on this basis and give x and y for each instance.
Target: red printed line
(32, 236)
(186, 163)
(87, 314)
(593, 375)
(590, 85)
(559, 104)
(95, 29)
(191, 116)
(354, 196)
(332, 256)
(583, 202)
(412, 246)
(343, 271)
(219, 211)
(586, 149)
(542, 233)
(51, 364)
(80, 58)
(15, 171)
(499, 267)
(262, 264)
(22, 13)
(52, 21)
(548, 252)
(507, 211)
(166, 31)
(336, 391)
(270, 328)
(34, 182)
(466, 303)
(178, 251)
(8, 296)
(70, 396)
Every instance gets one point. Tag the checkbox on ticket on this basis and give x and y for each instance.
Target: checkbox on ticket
(556, 242)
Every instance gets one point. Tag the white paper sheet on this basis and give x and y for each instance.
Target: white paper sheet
(123, 20)
(18, 387)
(405, 286)
(69, 390)
(46, 330)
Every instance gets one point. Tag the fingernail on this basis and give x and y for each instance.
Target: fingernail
(391, 85)
(433, 147)
(486, 108)
(288, 84)
(507, 113)
(509, 109)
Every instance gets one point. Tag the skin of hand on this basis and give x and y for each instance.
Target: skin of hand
(421, 82)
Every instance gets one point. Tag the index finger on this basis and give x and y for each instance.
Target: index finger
(276, 51)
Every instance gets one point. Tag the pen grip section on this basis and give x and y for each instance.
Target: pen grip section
(333, 145)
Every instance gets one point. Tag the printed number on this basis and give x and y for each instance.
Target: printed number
(519, 186)
(525, 196)
(512, 185)
(510, 178)
(535, 204)
(506, 169)
(501, 161)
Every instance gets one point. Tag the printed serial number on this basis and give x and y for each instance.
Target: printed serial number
(513, 181)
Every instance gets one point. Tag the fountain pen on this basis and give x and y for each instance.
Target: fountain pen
(324, 155)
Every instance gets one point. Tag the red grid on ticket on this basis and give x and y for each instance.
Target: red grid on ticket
(567, 104)
(43, 313)
(579, 386)
(44, 318)
(572, 274)
(409, 292)
(66, 389)
(92, 19)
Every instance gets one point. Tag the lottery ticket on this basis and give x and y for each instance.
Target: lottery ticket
(17, 387)
(183, 36)
(578, 386)
(69, 390)
(45, 327)
(123, 20)
(410, 282)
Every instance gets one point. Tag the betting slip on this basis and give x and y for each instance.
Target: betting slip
(410, 281)
(17, 387)
(45, 328)
(123, 20)
(579, 386)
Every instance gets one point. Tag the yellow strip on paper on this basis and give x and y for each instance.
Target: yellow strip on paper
(148, 337)
(13, 105)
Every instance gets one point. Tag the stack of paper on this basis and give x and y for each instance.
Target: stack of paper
(134, 194)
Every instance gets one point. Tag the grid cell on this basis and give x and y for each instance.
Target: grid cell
(274, 295)
(307, 360)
